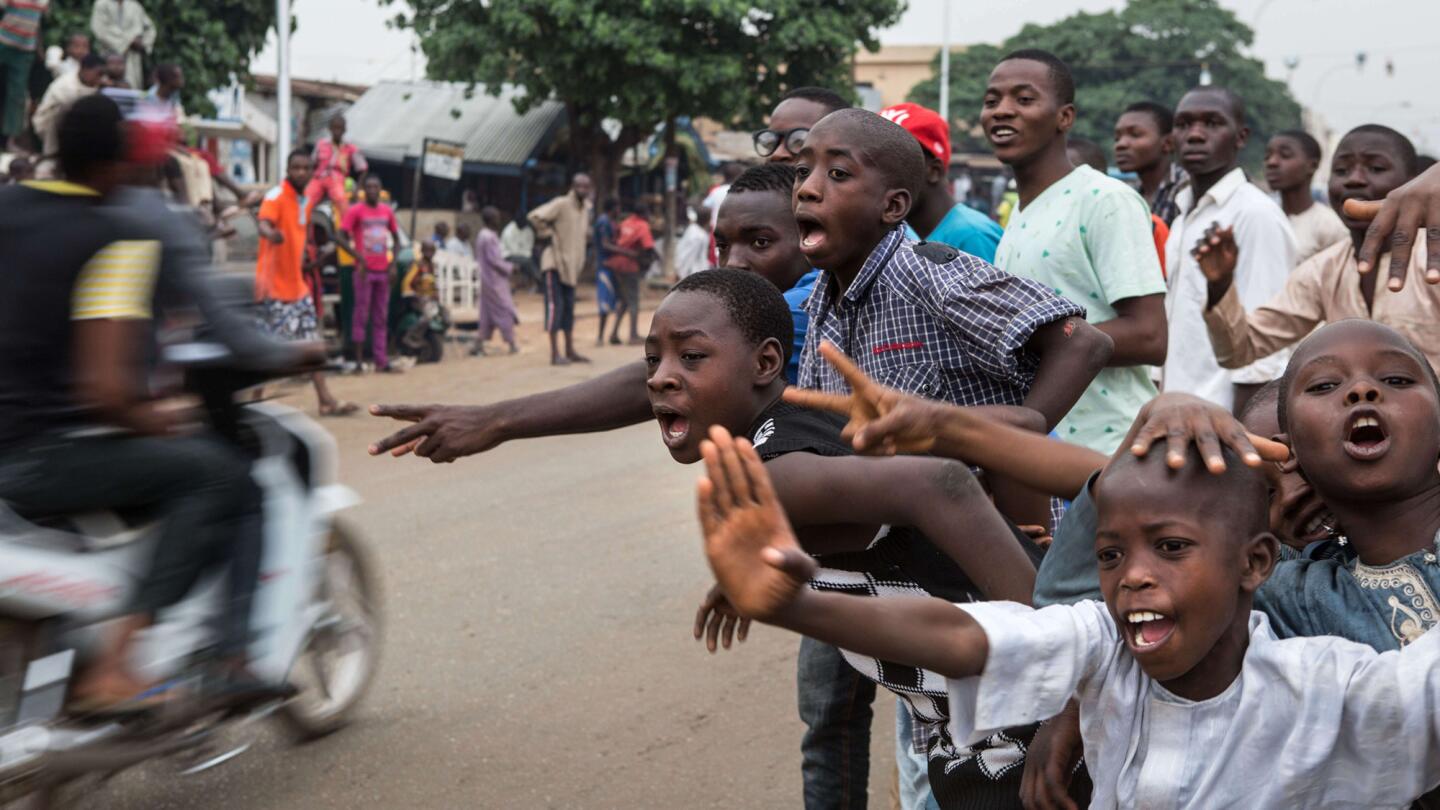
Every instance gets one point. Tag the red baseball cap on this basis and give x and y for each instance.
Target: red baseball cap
(925, 124)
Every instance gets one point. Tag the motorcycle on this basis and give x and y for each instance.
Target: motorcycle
(317, 616)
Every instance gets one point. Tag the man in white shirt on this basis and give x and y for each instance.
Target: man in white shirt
(1210, 131)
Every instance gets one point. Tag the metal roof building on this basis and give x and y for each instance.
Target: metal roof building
(392, 119)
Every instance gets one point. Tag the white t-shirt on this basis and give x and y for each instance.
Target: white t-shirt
(1316, 228)
(1267, 252)
(1309, 722)
(691, 252)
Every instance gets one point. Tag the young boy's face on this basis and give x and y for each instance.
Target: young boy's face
(372, 191)
(1180, 552)
(1363, 414)
(1366, 166)
(844, 203)
(297, 171)
(1287, 165)
(1207, 136)
(1020, 112)
(1139, 143)
(701, 371)
(337, 129)
(756, 232)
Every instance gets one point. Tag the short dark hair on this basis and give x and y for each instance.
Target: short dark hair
(167, 72)
(91, 134)
(296, 152)
(1060, 74)
(754, 305)
(1266, 396)
(1404, 148)
(1090, 152)
(90, 61)
(1423, 162)
(1233, 100)
(771, 177)
(825, 97)
(1163, 116)
(890, 146)
(371, 176)
(1308, 144)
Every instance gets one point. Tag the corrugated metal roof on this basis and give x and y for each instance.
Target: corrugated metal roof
(391, 120)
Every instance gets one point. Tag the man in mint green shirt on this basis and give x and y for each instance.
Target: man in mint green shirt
(1081, 233)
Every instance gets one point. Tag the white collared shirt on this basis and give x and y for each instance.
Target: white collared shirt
(1308, 722)
(1267, 252)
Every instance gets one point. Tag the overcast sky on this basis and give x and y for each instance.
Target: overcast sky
(348, 40)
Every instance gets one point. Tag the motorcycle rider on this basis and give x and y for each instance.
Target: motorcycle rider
(78, 428)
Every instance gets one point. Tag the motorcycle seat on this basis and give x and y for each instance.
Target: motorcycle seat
(80, 531)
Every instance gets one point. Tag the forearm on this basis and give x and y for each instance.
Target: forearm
(1071, 353)
(958, 517)
(928, 633)
(612, 400)
(1137, 342)
(1030, 459)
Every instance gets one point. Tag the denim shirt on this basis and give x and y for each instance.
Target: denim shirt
(1328, 591)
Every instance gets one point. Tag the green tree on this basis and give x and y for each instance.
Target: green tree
(1151, 49)
(213, 41)
(642, 63)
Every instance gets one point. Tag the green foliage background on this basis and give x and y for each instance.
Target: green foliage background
(1151, 49)
(211, 40)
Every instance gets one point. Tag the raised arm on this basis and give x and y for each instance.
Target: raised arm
(763, 571)
(941, 498)
(1239, 338)
(1404, 212)
(443, 433)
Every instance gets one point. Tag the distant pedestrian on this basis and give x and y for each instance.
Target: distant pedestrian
(369, 227)
(335, 161)
(62, 61)
(460, 244)
(169, 81)
(122, 28)
(517, 242)
(634, 249)
(565, 221)
(441, 235)
(1291, 159)
(607, 298)
(19, 36)
(691, 252)
(59, 96)
(497, 308)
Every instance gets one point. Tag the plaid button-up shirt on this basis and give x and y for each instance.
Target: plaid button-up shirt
(954, 332)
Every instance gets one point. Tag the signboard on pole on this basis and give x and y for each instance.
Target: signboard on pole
(444, 159)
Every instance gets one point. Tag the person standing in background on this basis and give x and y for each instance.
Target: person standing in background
(517, 242)
(335, 161)
(692, 251)
(565, 221)
(606, 296)
(19, 37)
(368, 230)
(1145, 145)
(122, 28)
(1291, 159)
(59, 96)
(460, 243)
(62, 61)
(497, 308)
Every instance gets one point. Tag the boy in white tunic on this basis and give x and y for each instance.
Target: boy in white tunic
(1186, 697)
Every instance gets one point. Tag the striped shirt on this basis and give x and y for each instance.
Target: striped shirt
(20, 25)
(118, 282)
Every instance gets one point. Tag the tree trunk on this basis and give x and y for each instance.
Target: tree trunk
(668, 260)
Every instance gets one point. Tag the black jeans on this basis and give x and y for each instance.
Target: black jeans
(835, 706)
(200, 487)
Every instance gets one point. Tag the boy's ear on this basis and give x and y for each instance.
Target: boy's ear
(1242, 137)
(1261, 553)
(1167, 143)
(769, 362)
(1065, 119)
(897, 206)
(935, 172)
(1291, 464)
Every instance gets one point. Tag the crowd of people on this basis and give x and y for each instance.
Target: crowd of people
(1147, 440)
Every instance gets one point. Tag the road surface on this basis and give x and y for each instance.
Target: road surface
(538, 654)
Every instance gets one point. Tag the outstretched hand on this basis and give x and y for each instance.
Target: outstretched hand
(1395, 221)
(1182, 420)
(717, 621)
(883, 421)
(441, 433)
(756, 558)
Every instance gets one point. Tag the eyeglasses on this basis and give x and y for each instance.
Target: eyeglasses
(768, 140)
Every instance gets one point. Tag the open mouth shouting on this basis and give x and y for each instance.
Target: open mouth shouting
(674, 426)
(1146, 630)
(1366, 438)
(812, 233)
(1002, 134)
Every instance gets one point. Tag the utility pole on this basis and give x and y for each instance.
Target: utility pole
(945, 62)
(282, 88)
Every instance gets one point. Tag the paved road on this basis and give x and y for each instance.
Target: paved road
(538, 651)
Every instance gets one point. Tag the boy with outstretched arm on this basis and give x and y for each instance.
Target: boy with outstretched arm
(1174, 662)
(714, 355)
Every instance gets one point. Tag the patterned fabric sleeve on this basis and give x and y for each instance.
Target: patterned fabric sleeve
(996, 314)
(118, 282)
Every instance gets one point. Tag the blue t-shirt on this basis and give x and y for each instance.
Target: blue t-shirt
(965, 229)
(604, 232)
(795, 297)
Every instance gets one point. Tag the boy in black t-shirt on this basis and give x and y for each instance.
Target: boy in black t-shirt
(716, 355)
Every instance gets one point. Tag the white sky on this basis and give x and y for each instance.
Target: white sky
(347, 40)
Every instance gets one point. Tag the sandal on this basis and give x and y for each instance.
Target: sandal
(343, 408)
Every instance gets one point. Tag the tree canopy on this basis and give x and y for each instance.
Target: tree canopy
(211, 40)
(1149, 50)
(639, 64)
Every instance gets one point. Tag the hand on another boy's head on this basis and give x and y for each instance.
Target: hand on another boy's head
(756, 558)
(883, 421)
(1182, 420)
(718, 621)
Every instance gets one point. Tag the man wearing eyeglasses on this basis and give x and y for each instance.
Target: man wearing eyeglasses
(798, 111)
